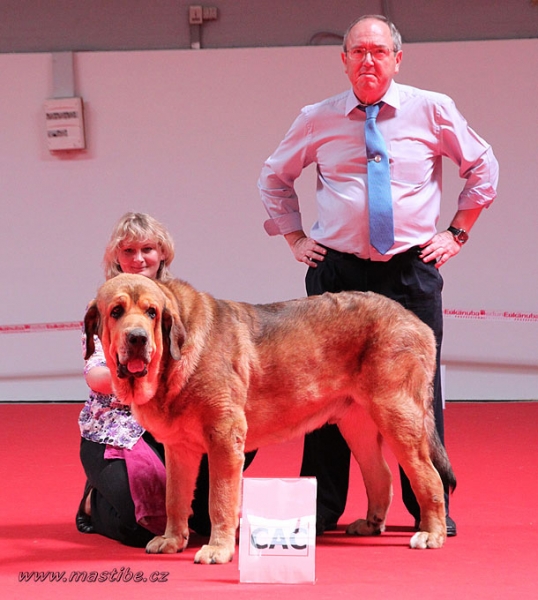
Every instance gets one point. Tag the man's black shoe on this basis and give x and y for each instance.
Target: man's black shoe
(322, 525)
(451, 530)
(450, 527)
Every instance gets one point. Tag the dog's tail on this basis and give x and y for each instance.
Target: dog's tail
(441, 462)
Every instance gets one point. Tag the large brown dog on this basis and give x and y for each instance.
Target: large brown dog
(219, 377)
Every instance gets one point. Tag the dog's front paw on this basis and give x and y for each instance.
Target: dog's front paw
(364, 527)
(425, 539)
(213, 555)
(166, 545)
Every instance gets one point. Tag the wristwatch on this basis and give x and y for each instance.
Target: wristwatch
(460, 235)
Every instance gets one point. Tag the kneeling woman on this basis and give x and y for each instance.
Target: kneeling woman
(124, 495)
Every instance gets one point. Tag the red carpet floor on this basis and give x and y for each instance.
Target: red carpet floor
(494, 451)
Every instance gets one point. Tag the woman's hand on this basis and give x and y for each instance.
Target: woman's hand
(100, 380)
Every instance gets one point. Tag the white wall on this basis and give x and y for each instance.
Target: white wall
(183, 135)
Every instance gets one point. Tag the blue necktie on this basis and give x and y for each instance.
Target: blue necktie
(379, 192)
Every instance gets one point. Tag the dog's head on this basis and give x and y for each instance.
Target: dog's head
(138, 330)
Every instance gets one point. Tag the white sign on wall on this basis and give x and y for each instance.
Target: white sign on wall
(64, 118)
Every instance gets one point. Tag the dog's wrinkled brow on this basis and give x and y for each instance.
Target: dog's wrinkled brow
(124, 297)
(132, 298)
(121, 299)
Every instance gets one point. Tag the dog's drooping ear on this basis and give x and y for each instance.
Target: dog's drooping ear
(91, 327)
(173, 333)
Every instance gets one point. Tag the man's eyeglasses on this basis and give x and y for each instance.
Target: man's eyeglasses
(378, 53)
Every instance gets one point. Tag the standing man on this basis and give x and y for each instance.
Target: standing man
(417, 128)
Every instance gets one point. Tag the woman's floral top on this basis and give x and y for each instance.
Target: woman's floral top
(104, 419)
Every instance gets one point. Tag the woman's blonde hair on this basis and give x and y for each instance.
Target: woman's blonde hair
(138, 227)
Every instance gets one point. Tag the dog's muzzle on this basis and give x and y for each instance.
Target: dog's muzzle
(136, 345)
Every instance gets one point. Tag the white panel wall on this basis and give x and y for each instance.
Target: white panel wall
(183, 135)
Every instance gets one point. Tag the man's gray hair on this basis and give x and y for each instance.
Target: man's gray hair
(396, 37)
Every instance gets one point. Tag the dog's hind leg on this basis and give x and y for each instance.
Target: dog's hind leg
(365, 443)
(429, 492)
(404, 426)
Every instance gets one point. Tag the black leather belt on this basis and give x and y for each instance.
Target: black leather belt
(411, 253)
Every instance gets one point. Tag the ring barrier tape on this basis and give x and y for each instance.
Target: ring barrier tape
(450, 313)
(38, 327)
